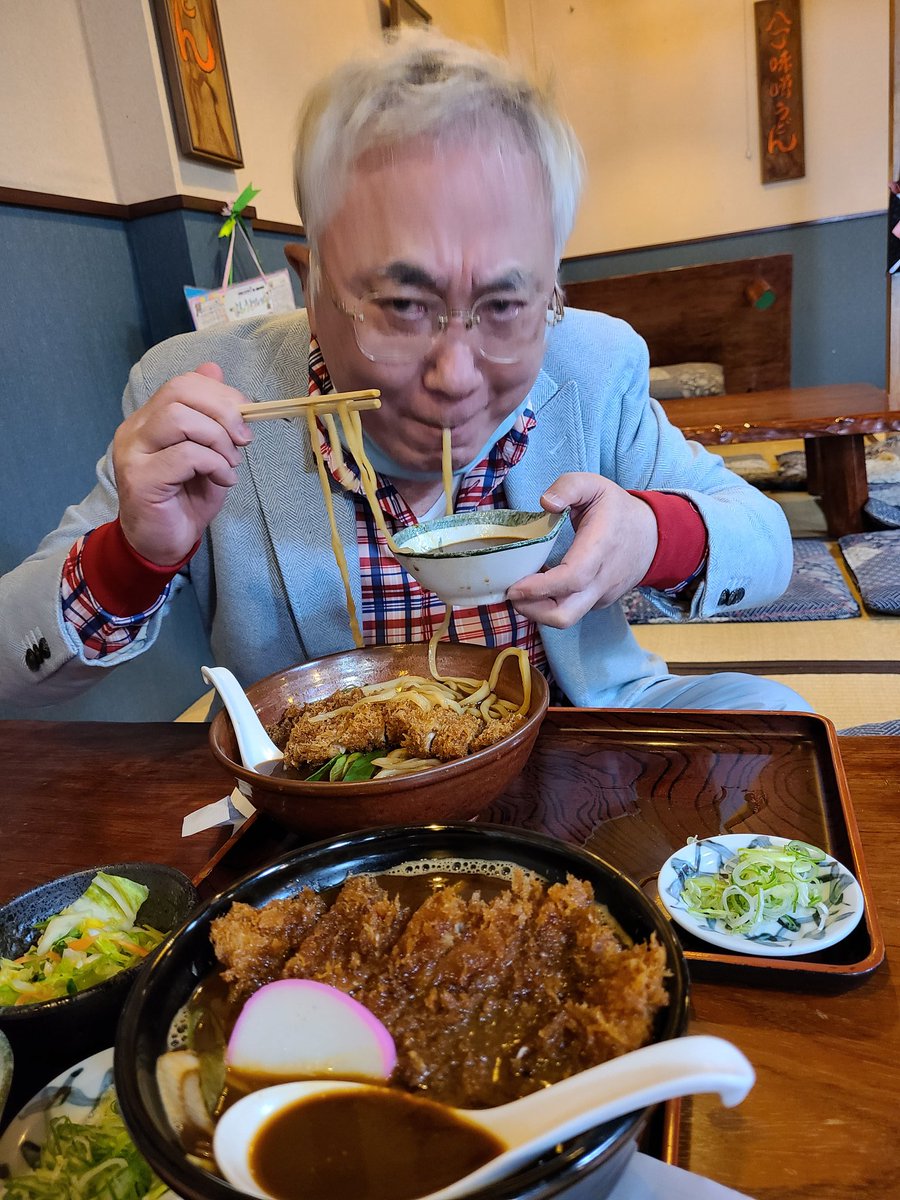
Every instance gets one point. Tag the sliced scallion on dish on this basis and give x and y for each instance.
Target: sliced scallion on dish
(762, 884)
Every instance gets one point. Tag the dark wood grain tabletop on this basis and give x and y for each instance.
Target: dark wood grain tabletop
(822, 1121)
(833, 419)
(827, 411)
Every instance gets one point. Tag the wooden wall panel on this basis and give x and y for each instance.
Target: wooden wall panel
(704, 314)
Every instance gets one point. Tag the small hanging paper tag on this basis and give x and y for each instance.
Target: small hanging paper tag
(256, 297)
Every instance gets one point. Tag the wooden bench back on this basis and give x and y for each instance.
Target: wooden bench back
(706, 314)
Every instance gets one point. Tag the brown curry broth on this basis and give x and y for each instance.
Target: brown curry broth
(212, 1015)
(369, 1145)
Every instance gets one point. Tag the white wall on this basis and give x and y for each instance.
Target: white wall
(51, 138)
(663, 97)
(662, 93)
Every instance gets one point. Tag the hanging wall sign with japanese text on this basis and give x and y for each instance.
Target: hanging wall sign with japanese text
(780, 75)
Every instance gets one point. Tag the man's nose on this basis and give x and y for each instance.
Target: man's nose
(453, 364)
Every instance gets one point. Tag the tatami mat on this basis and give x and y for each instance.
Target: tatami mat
(848, 670)
(856, 638)
(200, 709)
(849, 699)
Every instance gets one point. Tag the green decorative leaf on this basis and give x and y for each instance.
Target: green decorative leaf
(236, 209)
(244, 199)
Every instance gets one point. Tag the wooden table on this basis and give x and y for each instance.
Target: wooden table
(834, 421)
(822, 1122)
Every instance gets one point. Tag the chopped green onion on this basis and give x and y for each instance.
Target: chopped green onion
(96, 1160)
(760, 886)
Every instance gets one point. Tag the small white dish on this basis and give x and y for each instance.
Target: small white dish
(474, 558)
(707, 856)
(73, 1094)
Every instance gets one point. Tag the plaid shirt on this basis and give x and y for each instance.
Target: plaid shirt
(101, 633)
(395, 608)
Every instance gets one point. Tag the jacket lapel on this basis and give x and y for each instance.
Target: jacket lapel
(284, 475)
(554, 447)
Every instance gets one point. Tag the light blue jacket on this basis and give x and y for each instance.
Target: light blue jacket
(265, 577)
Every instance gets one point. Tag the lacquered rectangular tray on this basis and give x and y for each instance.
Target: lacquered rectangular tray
(632, 785)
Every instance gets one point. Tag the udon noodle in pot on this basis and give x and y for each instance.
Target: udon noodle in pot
(404, 724)
(400, 725)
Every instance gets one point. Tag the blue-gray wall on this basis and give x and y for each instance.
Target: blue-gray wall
(83, 297)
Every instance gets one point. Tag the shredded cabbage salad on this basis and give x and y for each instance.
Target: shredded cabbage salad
(763, 885)
(92, 939)
(94, 1160)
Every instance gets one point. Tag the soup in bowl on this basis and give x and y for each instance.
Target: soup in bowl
(507, 894)
(474, 558)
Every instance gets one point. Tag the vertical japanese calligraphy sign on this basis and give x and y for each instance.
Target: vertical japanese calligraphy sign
(780, 80)
(197, 77)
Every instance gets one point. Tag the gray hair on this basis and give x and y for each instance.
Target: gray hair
(421, 83)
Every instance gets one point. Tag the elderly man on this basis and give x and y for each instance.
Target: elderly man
(437, 191)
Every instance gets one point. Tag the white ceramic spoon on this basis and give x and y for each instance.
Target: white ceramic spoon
(681, 1067)
(254, 743)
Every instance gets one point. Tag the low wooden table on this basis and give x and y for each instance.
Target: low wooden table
(833, 421)
(821, 1123)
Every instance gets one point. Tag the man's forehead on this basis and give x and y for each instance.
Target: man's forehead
(503, 142)
(474, 216)
(411, 274)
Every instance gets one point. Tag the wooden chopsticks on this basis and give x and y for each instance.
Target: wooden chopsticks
(270, 410)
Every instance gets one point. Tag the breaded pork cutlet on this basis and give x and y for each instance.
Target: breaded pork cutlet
(493, 731)
(433, 733)
(281, 730)
(253, 944)
(350, 943)
(361, 729)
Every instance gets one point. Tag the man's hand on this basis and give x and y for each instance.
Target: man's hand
(175, 459)
(615, 542)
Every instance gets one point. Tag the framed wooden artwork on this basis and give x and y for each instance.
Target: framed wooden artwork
(780, 81)
(197, 78)
(407, 12)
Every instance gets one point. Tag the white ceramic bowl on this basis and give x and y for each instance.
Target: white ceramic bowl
(707, 856)
(474, 558)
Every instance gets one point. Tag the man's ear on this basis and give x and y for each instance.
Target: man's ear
(297, 254)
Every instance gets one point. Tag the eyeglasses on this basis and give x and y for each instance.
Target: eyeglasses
(399, 327)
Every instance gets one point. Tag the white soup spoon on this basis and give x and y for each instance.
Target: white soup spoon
(681, 1067)
(255, 745)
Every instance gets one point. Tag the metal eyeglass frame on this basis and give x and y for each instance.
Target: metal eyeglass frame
(469, 317)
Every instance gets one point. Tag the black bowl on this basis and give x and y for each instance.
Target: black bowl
(187, 958)
(49, 1036)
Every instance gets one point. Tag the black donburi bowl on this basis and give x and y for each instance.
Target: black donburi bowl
(186, 959)
(47, 1037)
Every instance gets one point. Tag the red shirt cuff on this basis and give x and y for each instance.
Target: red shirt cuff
(682, 540)
(120, 580)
